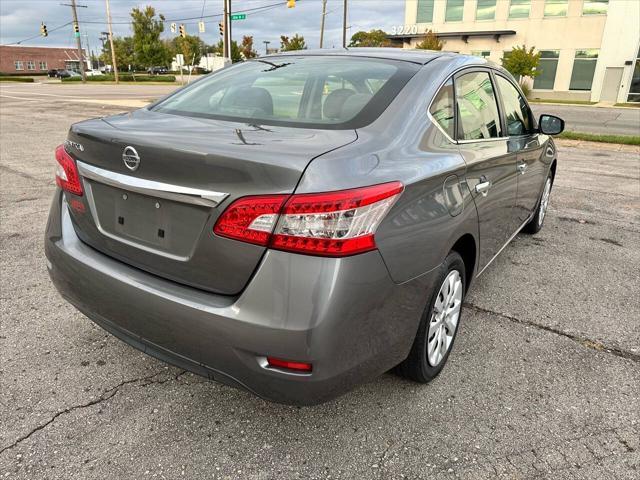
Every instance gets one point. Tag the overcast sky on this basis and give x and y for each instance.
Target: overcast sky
(20, 19)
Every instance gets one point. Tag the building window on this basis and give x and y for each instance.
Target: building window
(486, 10)
(477, 107)
(519, 8)
(425, 11)
(483, 53)
(547, 67)
(595, 7)
(31, 65)
(584, 66)
(555, 8)
(634, 89)
(18, 65)
(43, 65)
(454, 11)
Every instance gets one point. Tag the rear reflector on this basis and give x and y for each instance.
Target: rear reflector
(332, 224)
(67, 176)
(289, 365)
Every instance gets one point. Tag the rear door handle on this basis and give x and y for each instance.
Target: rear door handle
(522, 166)
(483, 188)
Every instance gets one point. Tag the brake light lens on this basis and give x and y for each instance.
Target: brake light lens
(251, 219)
(67, 176)
(289, 364)
(333, 224)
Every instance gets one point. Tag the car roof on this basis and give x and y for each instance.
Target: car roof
(405, 54)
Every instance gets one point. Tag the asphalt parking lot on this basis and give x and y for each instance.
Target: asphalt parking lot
(543, 382)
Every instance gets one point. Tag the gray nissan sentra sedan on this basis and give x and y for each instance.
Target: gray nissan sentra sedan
(298, 224)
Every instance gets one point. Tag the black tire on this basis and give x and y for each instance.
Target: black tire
(537, 221)
(417, 366)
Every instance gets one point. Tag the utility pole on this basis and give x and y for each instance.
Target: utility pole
(226, 39)
(324, 14)
(113, 52)
(344, 25)
(266, 46)
(76, 28)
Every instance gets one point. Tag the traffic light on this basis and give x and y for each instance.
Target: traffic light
(291, 3)
(221, 27)
(43, 30)
(201, 27)
(183, 32)
(76, 29)
(173, 28)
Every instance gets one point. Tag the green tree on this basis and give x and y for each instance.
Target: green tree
(430, 42)
(521, 62)
(246, 48)
(372, 38)
(191, 47)
(123, 47)
(296, 43)
(235, 50)
(148, 48)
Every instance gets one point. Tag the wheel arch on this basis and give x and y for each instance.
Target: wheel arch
(466, 246)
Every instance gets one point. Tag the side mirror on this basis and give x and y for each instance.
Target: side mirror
(551, 125)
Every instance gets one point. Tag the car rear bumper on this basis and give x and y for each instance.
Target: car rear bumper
(345, 316)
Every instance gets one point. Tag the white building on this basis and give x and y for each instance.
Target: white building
(590, 48)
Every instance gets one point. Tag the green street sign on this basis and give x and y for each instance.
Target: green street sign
(239, 16)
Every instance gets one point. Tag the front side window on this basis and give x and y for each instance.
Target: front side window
(555, 8)
(443, 109)
(519, 8)
(516, 110)
(584, 66)
(595, 7)
(486, 10)
(18, 64)
(477, 107)
(547, 67)
(454, 11)
(305, 91)
(425, 11)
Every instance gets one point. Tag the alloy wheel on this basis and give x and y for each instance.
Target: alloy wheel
(444, 318)
(544, 201)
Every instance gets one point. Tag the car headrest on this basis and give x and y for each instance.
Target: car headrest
(256, 98)
(353, 105)
(334, 101)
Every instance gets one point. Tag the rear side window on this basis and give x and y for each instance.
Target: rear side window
(516, 110)
(328, 92)
(477, 107)
(443, 109)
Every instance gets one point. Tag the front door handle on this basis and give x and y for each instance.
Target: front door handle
(483, 188)
(522, 167)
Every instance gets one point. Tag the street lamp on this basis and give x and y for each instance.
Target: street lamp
(266, 46)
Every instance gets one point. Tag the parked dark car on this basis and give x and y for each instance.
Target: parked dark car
(300, 223)
(157, 70)
(52, 73)
(66, 74)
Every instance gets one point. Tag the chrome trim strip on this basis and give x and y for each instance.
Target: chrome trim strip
(94, 213)
(152, 188)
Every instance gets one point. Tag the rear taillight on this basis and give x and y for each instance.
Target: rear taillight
(67, 176)
(331, 224)
(289, 365)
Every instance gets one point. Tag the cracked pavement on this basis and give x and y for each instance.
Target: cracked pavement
(543, 380)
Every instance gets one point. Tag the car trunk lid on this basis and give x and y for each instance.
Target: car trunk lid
(159, 215)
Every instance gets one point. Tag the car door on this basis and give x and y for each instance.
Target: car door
(524, 141)
(491, 166)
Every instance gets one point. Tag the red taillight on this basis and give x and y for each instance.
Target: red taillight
(67, 176)
(289, 365)
(250, 219)
(331, 224)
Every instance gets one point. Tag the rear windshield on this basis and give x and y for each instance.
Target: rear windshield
(308, 91)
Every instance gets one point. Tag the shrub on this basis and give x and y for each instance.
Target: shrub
(10, 78)
(124, 77)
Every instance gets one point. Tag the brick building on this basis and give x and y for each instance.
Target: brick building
(23, 60)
